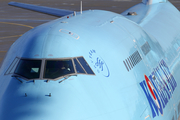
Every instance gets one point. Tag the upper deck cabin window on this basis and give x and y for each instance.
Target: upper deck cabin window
(146, 48)
(50, 69)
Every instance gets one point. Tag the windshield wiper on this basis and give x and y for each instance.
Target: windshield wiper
(17, 77)
(65, 78)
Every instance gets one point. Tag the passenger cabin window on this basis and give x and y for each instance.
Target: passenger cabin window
(29, 69)
(51, 68)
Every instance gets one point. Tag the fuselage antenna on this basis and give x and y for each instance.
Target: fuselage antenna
(81, 7)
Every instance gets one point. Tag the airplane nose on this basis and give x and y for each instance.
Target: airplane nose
(41, 100)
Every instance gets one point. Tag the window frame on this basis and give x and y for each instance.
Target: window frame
(17, 75)
(43, 61)
(60, 76)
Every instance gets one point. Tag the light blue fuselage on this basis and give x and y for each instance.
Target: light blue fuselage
(120, 49)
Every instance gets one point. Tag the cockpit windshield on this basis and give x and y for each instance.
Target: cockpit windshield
(50, 69)
(29, 68)
(56, 68)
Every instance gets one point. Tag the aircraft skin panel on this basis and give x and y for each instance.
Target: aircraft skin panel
(162, 18)
(42, 9)
(166, 32)
(136, 77)
(156, 21)
(142, 11)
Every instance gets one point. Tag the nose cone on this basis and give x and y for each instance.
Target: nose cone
(41, 100)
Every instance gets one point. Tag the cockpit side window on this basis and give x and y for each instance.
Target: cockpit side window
(79, 68)
(12, 66)
(29, 69)
(85, 65)
(57, 68)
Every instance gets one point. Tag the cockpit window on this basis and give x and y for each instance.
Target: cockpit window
(12, 66)
(56, 68)
(78, 66)
(29, 69)
(49, 69)
(85, 65)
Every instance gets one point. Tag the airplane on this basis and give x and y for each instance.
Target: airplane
(95, 65)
